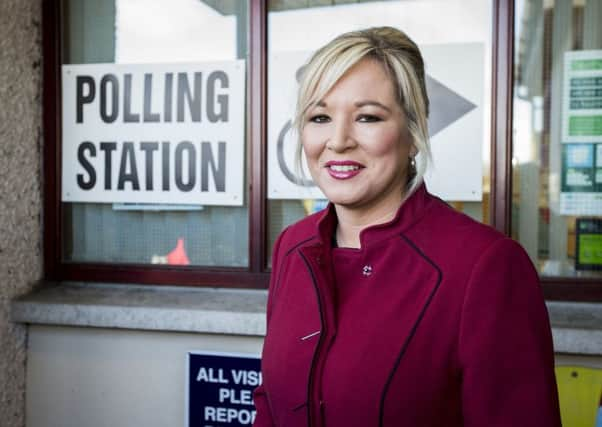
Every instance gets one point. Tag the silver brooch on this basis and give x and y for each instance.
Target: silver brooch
(367, 270)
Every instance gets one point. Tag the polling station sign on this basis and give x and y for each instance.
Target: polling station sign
(220, 389)
(153, 133)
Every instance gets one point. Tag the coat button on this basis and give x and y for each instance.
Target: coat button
(367, 270)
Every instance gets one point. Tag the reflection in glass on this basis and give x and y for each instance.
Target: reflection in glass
(555, 173)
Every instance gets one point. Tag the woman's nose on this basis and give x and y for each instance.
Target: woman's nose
(341, 138)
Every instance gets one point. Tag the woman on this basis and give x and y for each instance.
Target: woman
(389, 308)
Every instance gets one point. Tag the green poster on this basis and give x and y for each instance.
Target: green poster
(589, 244)
(581, 174)
(582, 97)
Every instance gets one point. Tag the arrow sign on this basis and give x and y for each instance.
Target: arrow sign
(446, 105)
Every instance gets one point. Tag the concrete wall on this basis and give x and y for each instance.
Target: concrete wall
(20, 192)
(98, 377)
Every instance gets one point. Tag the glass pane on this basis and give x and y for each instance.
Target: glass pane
(456, 45)
(557, 157)
(151, 36)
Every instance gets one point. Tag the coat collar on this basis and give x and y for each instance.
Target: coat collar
(410, 210)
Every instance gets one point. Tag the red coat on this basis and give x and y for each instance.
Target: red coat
(440, 321)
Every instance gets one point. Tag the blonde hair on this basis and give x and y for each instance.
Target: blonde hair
(401, 60)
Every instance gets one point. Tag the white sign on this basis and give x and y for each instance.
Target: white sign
(582, 97)
(154, 133)
(284, 180)
(455, 124)
(456, 85)
(581, 177)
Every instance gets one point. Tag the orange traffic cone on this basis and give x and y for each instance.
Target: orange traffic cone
(178, 255)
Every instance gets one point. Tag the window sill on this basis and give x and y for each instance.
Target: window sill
(157, 308)
(576, 327)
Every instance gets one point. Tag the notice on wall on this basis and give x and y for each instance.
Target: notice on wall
(153, 133)
(456, 123)
(588, 247)
(581, 186)
(220, 389)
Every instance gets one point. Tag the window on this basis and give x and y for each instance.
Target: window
(502, 146)
(557, 153)
(151, 100)
(161, 35)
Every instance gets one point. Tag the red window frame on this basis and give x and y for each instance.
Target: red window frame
(256, 275)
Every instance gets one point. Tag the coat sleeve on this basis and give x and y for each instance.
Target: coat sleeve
(505, 344)
(263, 416)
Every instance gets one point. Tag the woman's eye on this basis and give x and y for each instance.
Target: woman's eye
(319, 118)
(368, 118)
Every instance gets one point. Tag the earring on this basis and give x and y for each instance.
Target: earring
(412, 166)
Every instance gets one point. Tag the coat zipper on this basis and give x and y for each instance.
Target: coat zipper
(314, 362)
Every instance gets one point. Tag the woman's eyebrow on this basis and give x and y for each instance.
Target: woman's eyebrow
(360, 104)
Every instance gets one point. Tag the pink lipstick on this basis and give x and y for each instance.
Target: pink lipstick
(345, 169)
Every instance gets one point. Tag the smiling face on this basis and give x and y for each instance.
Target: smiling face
(356, 141)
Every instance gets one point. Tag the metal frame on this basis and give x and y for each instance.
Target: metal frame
(501, 115)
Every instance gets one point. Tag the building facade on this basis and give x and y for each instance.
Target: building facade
(148, 165)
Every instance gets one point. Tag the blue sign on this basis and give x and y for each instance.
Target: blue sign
(220, 389)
